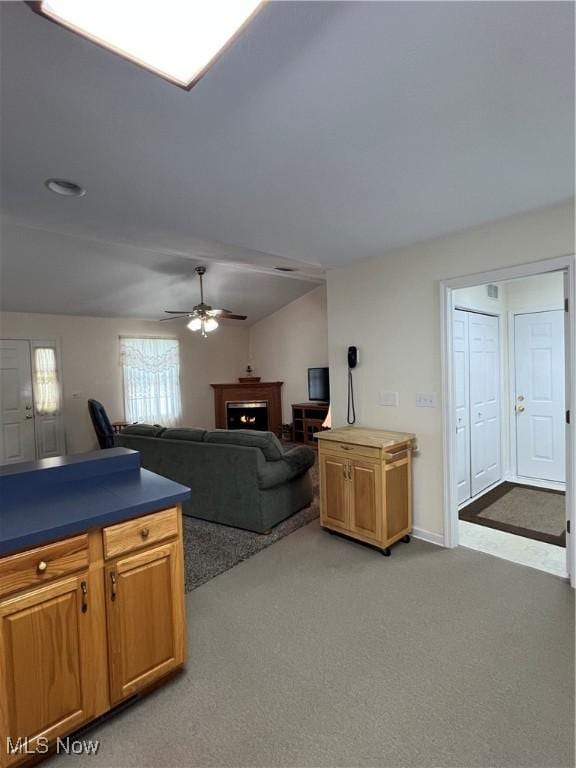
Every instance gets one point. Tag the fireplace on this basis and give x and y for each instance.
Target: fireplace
(249, 414)
(238, 394)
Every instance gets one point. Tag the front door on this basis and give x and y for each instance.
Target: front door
(16, 404)
(539, 395)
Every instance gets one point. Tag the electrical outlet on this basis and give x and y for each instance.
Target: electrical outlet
(426, 400)
(388, 398)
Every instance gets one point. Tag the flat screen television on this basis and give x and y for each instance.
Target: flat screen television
(318, 385)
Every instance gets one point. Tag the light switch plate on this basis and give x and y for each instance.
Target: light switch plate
(426, 400)
(388, 398)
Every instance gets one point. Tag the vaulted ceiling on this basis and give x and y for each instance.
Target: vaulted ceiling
(328, 133)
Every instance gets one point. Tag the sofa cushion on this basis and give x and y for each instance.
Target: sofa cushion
(267, 442)
(300, 459)
(192, 434)
(294, 463)
(143, 430)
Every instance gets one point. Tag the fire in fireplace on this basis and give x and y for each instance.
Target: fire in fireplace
(251, 414)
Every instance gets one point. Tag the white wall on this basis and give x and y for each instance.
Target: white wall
(284, 345)
(535, 293)
(90, 364)
(390, 309)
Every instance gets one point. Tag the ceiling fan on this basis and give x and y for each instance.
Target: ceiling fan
(203, 316)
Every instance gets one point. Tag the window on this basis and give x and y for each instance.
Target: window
(151, 370)
(46, 385)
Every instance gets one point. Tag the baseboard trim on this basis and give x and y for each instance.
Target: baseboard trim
(429, 536)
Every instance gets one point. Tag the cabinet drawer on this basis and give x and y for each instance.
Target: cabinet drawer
(43, 564)
(141, 532)
(348, 450)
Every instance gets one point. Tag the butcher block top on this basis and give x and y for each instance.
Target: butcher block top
(374, 438)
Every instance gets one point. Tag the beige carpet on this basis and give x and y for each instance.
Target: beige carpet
(320, 652)
(530, 508)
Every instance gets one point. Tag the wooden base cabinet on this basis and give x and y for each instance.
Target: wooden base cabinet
(78, 634)
(145, 619)
(365, 484)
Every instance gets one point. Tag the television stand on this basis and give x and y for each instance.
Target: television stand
(307, 419)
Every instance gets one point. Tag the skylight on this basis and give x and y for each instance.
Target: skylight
(176, 39)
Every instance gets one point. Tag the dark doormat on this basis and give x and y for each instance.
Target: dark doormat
(535, 513)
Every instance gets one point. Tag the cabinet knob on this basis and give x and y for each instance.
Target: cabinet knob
(41, 567)
(145, 532)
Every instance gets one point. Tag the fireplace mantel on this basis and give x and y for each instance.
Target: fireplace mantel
(271, 391)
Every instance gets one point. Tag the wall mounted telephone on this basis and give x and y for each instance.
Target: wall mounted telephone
(353, 359)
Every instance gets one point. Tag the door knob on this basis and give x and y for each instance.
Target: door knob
(29, 416)
(28, 407)
(520, 408)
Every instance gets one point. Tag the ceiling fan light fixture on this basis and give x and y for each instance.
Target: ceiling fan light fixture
(210, 324)
(195, 324)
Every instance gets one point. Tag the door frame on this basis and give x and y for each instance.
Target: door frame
(566, 264)
(513, 475)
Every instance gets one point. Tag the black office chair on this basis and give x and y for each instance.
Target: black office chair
(101, 422)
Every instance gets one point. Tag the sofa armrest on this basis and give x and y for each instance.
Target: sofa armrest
(294, 463)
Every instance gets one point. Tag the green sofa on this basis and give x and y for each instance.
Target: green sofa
(240, 477)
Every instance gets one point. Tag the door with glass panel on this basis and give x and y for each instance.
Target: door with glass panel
(31, 424)
(47, 400)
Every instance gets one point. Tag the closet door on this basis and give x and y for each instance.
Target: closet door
(462, 404)
(484, 343)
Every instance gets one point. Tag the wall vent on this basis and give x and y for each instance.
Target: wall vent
(492, 291)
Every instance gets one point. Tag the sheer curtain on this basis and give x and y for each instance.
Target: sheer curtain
(151, 369)
(46, 385)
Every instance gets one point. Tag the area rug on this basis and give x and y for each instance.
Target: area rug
(535, 513)
(210, 548)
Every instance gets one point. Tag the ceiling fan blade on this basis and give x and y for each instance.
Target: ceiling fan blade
(177, 317)
(217, 312)
(178, 311)
(231, 316)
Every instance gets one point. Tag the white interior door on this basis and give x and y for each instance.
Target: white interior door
(539, 395)
(462, 403)
(485, 419)
(16, 405)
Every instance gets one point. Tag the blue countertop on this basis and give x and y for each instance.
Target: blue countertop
(42, 501)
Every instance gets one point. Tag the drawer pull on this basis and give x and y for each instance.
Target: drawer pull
(113, 580)
(347, 447)
(145, 532)
(42, 566)
(84, 588)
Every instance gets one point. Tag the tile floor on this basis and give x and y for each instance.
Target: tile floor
(517, 549)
